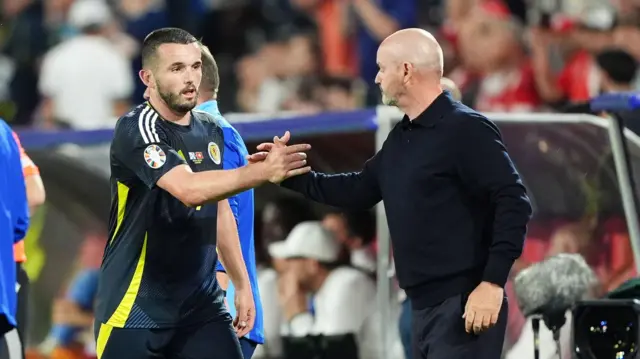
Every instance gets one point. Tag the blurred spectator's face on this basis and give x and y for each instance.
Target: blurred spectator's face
(337, 99)
(272, 230)
(176, 75)
(280, 265)
(305, 5)
(274, 57)
(338, 227)
(306, 270)
(251, 72)
(300, 57)
(335, 224)
(11, 8)
(390, 77)
(486, 42)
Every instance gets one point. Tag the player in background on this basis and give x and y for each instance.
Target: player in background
(242, 204)
(14, 222)
(158, 296)
(35, 198)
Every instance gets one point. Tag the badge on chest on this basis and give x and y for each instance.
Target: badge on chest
(208, 159)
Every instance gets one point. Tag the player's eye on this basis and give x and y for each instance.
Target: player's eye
(197, 66)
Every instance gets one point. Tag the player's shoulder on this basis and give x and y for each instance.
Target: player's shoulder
(207, 119)
(140, 123)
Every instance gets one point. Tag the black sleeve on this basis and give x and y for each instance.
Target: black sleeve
(321, 347)
(488, 172)
(357, 190)
(141, 145)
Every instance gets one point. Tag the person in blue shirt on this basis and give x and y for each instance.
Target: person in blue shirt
(77, 311)
(14, 222)
(378, 19)
(242, 204)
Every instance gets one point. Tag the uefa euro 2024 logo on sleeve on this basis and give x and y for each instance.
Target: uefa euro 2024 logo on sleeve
(154, 156)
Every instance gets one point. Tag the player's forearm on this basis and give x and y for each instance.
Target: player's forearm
(229, 248)
(213, 186)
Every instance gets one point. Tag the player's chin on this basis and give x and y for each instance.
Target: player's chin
(184, 106)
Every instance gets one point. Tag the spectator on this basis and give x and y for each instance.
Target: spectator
(14, 222)
(618, 70)
(492, 43)
(343, 298)
(341, 93)
(25, 46)
(356, 231)
(376, 20)
(85, 82)
(279, 217)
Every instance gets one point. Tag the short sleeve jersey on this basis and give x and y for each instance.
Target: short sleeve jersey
(158, 269)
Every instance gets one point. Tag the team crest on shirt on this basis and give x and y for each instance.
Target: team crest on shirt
(214, 152)
(154, 156)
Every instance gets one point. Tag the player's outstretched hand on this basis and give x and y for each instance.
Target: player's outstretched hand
(245, 312)
(284, 161)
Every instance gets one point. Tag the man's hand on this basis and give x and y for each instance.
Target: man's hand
(283, 161)
(245, 312)
(483, 307)
(292, 298)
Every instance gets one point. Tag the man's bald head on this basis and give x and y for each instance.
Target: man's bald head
(416, 47)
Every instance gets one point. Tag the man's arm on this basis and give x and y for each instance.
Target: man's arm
(164, 167)
(229, 250)
(355, 191)
(35, 188)
(488, 172)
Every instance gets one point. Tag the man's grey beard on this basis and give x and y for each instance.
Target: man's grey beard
(389, 101)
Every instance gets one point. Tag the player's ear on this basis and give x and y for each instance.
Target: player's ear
(146, 77)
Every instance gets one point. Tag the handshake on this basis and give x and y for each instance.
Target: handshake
(279, 161)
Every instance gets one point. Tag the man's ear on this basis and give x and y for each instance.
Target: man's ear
(147, 78)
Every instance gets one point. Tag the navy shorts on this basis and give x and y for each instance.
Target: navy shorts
(212, 340)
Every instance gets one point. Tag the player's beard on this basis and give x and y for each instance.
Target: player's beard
(175, 102)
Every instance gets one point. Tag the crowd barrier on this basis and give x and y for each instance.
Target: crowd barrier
(564, 160)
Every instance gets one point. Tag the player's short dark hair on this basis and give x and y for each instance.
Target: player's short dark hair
(361, 224)
(210, 72)
(167, 35)
(618, 64)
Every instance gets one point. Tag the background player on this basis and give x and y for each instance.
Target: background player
(14, 221)
(241, 204)
(35, 198)
(158, 296)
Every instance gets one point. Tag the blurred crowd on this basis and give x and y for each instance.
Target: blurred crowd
(311, 55)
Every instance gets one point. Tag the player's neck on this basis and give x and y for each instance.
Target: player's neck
(167, 114)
